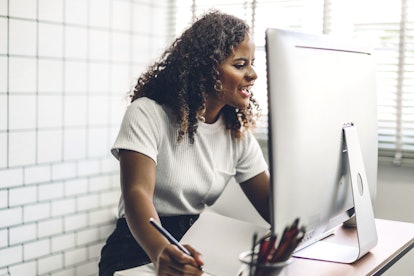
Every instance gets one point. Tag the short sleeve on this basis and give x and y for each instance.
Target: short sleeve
(141, 128)
(250, 161)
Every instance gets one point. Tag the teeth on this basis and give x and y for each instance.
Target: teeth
(246, 90)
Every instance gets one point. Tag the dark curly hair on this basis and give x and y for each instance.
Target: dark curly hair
(188, 71)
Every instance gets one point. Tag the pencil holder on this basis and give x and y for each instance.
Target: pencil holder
(250, 267)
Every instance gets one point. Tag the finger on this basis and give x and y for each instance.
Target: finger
(174, 268)
(172, 261)
(180, 258)
(196, 255)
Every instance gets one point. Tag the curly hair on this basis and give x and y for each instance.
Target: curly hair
(188, 70)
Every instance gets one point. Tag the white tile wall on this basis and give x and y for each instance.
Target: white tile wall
(3, 150)
(23, 8)
(11, 255)
(21, 75)
(75, 77)
(26, 268)
(22, 196)
(3, 35)
(4, 200)
(75, 110)
(121, 15)
(63, 242)
(65, 70)
(49, 113)
(49, 227)
(49, 264)
(37, 174)
(49, 145)
(76, 42)
(22, 112)
(50, 75)
(3, 112)
(50, 40)
(76, 12)
(51, 10)
(74, 146)
(121, 47)
(99, 44)
(21, 36)
(11, 178)
(3, 70)
(14, 216)
(22, 233)
(22, 148)
(100, 13)
(3, 7)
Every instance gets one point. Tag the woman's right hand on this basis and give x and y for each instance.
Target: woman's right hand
(172, 261)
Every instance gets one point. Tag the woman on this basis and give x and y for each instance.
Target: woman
(183, 137)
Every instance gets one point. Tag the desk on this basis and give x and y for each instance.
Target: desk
(222, 239)
(395, 239)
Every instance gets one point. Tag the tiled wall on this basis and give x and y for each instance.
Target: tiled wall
(65, 69)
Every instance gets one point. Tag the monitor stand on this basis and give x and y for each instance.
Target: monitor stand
(330, 250)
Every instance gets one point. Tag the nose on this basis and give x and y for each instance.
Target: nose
(251, 74)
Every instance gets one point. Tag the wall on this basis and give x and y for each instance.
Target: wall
(65, 69)
(395, 202)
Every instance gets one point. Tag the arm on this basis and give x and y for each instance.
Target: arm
(257, 190)
(137, 184)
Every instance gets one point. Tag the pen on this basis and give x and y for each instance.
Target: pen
(252, 256)
(170, 238)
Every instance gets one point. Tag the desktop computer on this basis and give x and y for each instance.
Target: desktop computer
(323, 148)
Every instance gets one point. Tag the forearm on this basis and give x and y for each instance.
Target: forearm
(257, 190)
(138, 184)
(139, 209)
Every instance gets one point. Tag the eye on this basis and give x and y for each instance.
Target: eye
(239, 66)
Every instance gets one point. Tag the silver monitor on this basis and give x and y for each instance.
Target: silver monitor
(318, 86)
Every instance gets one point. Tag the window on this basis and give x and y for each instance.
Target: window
(387, 25)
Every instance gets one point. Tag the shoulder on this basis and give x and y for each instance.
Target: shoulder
(147, 108)
(247, 145)
(145, 103)
(144, 115)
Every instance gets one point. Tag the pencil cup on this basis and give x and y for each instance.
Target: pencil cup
(250, 267)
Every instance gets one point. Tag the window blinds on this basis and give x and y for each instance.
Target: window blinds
(388, 25)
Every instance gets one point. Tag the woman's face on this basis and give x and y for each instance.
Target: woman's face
(237, 74)
(237, 77)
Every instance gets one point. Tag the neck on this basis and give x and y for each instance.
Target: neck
(212, 111)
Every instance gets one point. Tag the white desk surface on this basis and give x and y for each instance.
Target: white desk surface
(222, 239)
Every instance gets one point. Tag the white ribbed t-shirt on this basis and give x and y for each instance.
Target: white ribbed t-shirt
(188, 176)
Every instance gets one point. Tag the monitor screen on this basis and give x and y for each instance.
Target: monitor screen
(316, 85)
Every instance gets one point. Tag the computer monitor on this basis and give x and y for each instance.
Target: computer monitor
(322, 140)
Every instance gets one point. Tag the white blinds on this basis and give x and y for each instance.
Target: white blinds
(388, 25)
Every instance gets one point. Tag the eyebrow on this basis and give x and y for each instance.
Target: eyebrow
(242, 59)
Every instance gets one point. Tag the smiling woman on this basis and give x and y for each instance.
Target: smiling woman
(184, 137)
(237, 77)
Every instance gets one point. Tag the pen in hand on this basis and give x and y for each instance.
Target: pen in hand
(170, 238)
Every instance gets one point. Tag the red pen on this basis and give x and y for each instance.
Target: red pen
(263, 251)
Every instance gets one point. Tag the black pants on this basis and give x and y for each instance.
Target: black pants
(121, 250)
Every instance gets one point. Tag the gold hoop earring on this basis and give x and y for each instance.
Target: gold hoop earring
(218, 86)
